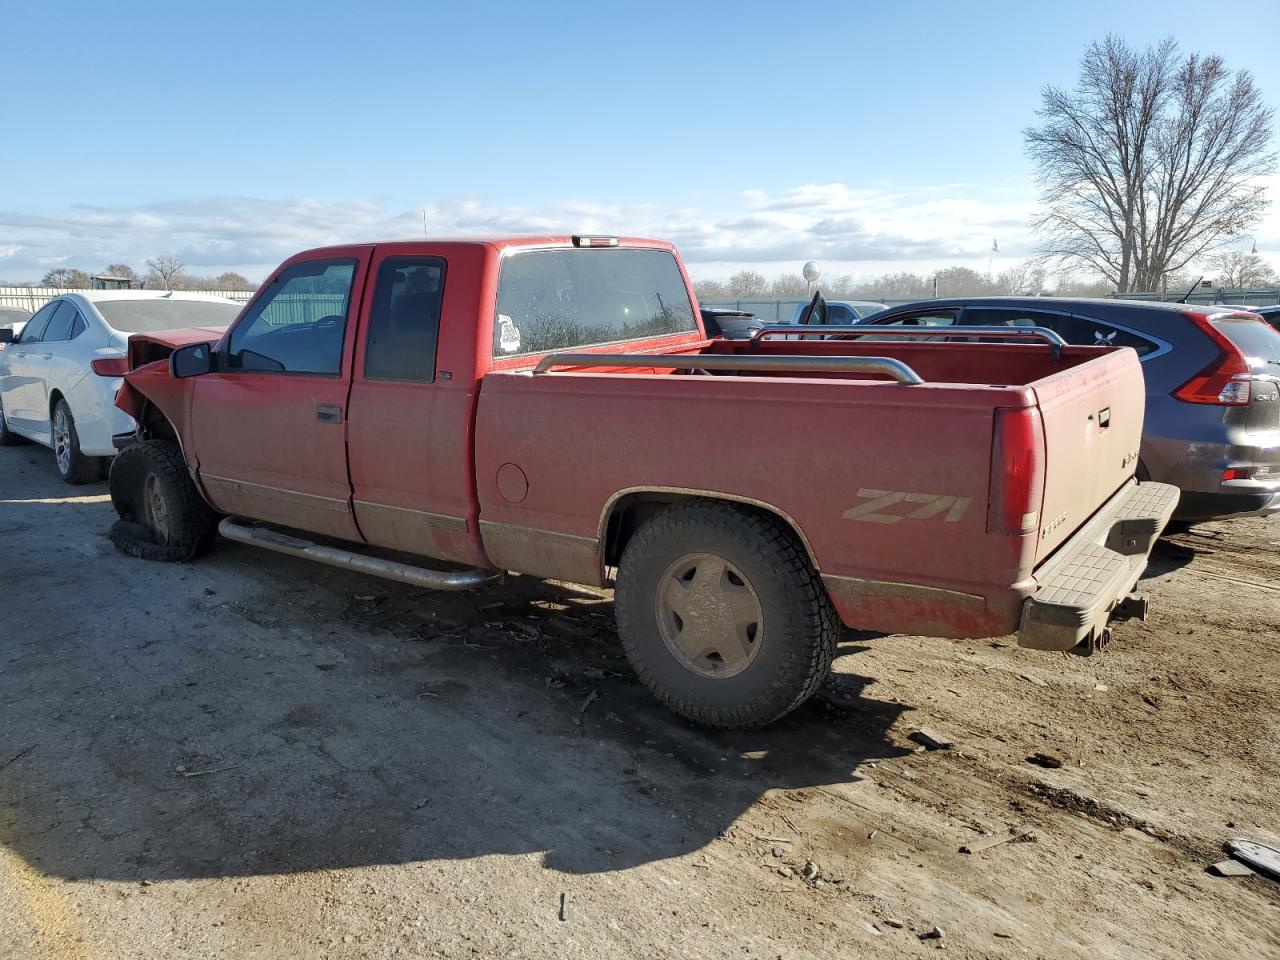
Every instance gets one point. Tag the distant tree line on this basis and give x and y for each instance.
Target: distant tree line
(1032, 278)
(166, 272)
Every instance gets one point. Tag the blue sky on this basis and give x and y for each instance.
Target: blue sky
(235, 133)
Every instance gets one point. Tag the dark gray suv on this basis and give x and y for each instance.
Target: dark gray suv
(1213, 387)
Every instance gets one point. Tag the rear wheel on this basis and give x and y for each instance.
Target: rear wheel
(74, 466)
(722, 615)
(162, 515)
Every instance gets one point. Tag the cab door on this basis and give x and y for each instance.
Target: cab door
(21, 386)
(270, 422)
(410, 433)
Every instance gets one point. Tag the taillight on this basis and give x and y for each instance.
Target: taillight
(1017, 472)
(110, 366)
(1226, 381)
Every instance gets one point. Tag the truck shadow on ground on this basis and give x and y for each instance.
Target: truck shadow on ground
(320, 719)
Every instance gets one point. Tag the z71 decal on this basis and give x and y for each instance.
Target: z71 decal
(880, 509)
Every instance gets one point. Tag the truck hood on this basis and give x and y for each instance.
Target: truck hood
(147, 348)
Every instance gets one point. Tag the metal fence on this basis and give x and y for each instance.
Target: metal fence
(33, 298)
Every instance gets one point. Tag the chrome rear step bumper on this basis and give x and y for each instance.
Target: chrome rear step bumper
(1089, 580)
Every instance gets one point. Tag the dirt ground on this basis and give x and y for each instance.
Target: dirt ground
(251, 756)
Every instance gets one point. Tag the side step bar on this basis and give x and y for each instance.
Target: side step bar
(349, 560)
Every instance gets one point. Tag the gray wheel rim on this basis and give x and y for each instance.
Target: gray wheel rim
(709, 616)
(62, 440)
(157, 510)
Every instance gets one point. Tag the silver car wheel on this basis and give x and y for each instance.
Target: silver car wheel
(62, 440)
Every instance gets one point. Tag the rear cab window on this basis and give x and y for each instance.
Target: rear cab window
(567, 298)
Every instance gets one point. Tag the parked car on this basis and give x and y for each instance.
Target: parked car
(60, 373)
(1213, 420)
(1270, 314)
(13, 319)
(552, 405)
(731, 324)
(842, 311)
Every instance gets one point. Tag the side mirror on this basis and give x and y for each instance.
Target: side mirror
(815, 312)
(6, 335)
(191, 361)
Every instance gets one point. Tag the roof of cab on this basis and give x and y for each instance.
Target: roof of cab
(500, 243)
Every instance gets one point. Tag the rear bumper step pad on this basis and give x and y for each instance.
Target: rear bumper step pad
(1088, 579)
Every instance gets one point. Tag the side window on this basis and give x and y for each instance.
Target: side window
(298, 324)
(924, 318)
(1096, 333)
(1078, 330)
(1009, 317)
(838, 313)
(35, 326)
(78, 327)
(405, 319)
(60, 325)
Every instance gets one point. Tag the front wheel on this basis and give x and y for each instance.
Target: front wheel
(74, 466)
(722, 616)
(162, 515)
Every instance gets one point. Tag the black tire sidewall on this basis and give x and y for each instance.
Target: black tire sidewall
(778, 678)
(191, 521)
(80, 469)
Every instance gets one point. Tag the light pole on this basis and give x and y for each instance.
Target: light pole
(811, 272)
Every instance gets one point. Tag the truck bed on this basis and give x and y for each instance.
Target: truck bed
(887, 484)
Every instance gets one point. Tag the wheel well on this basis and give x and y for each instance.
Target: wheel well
(155, 425)
(627, 513)
(54, 396)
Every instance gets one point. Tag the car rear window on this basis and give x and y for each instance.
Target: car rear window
(148, 316)
(1254, 338)
(557, 299)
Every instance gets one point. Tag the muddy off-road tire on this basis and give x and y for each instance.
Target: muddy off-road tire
(722, 616)
(162, 515)
(7, 437)
(74, 466)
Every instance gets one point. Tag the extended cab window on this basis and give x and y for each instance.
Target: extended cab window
(298, 324)
(553, 299)
(405, 319)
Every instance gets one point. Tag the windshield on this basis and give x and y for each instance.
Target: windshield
(148, 316)
(1255, 339)
(553, 299)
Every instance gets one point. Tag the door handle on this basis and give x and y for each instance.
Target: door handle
(329, 413)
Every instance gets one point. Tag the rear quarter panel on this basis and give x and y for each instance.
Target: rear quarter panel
(886, 483)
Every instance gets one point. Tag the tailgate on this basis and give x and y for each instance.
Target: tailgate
(1092, 416)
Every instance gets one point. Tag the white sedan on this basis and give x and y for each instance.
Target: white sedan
(59, 376)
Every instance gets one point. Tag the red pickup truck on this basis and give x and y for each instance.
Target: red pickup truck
(551, 405)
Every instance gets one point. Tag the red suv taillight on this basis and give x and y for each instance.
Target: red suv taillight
(1226, 381)
(1017, 472)
(110, 366)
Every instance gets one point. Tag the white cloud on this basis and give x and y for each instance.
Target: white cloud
(849, 230)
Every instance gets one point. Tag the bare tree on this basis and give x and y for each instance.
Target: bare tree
(167, 267)
(66, 278)
(747, 283)
(709, 289)
(1233, 268)
(230, 280)
(1149, 162)
(124, 271)
(789, 286)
